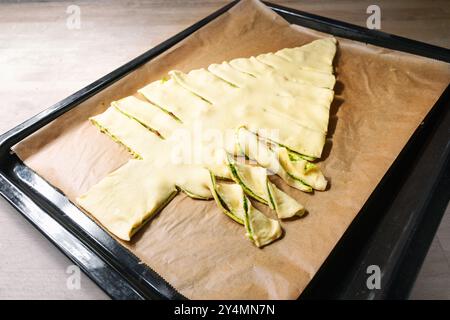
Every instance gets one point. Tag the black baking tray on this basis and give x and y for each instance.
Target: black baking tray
(393, 230)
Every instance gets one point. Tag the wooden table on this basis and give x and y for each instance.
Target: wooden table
(42, 61)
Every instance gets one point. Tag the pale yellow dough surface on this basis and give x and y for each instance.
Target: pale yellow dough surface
(182, 128)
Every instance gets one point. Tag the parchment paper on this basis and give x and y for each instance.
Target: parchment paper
(381, 97)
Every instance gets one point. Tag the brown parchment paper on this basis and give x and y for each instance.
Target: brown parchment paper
(381, 97)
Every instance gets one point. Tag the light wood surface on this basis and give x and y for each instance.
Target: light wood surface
(42, 62)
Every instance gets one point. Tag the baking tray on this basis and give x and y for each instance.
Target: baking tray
(393, 230)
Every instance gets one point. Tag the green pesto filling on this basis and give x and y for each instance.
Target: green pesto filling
(228, 82)
(152, 130)
(271, 199)
(204, 99)
(193, 195)
(292, 153)
(247, 221)
(310, 166)
(170, 113)
(222, 203)
(308, 187)
(115, 139)
(246, 189)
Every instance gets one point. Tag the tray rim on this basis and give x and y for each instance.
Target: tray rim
(15, 135)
